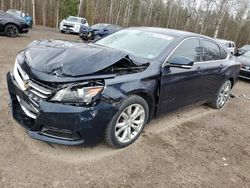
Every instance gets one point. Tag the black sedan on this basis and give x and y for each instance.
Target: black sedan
(12, 26)
(73, 93)
(98, 31)
(245, 65)
(242, 50)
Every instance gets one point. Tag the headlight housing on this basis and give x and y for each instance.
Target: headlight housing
(77, 94)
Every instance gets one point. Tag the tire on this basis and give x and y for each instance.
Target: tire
(96, 38)
(62, 31)
(31, 25)
(11, 30)
(222, 95)
(128, 123)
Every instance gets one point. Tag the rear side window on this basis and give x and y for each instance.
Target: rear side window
(224, 54)
(211, 51)
(190, 48)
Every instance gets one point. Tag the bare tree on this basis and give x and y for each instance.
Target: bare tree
(44, 5)
(57, 13)
(80, 8)
(223, 6)
(111, 11)
(2, 5)
(34, 11)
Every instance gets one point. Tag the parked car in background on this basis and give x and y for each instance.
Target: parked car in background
(23, 15)
(73, 93)
(11, 26)
(97, 31)
(72, 24)
(229, 45)
(245, 65)
(242, 50)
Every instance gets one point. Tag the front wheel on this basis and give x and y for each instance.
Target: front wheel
(128, 123)
(11, 30)
(222, 96)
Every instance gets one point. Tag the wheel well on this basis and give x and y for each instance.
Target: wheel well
(12, 24)
(150, 101)
(232, 81)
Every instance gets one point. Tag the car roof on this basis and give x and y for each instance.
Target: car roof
(76, 17)
(169, 32)
(6, 15)
(106, 24)
(14, 10)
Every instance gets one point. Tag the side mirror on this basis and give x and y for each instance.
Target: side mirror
(181, 62)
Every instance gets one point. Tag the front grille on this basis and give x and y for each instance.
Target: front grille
(67, 25)
(35, 91)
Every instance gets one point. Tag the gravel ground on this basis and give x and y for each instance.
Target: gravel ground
(195, 147)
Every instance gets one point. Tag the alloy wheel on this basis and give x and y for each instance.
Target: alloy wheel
(224, 94)
(130, 123)
(12, 31)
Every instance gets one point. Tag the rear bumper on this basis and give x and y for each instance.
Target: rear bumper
(58, 123)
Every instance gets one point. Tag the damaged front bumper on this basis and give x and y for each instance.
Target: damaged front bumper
(59, 123)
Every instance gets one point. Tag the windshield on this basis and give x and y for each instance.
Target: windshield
(99, 26)
(247, 54)
(139, 43)
(73, 19)
(17, 14)
(246, 47)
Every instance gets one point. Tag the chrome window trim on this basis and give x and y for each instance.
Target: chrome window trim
(165, 63)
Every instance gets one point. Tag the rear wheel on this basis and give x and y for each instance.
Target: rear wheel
(11, 30)
(222, 96)
(128, 123)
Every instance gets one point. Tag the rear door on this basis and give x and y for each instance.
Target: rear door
(181, 87)
(214, 59)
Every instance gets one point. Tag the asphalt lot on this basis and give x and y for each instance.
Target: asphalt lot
(195, 147)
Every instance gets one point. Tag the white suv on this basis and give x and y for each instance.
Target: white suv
(72, 24)
(230, 45)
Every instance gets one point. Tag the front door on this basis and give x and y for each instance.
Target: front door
(181, 87)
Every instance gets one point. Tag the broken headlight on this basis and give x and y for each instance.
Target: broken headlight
(77, 94)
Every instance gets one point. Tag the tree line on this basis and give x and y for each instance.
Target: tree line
(226, 19)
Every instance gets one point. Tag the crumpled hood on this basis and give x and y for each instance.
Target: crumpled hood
(65, 58)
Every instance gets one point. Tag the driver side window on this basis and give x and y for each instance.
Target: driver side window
(189, 48)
